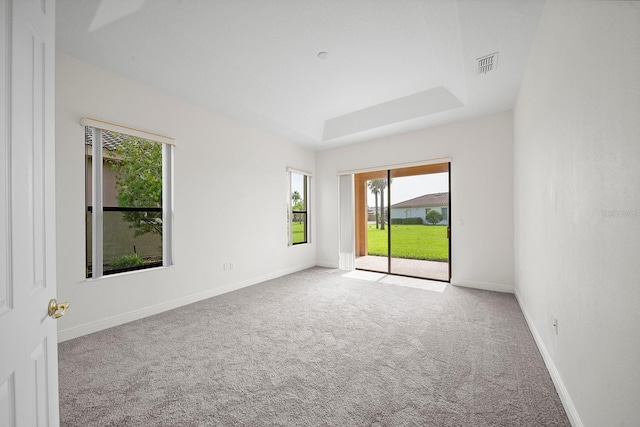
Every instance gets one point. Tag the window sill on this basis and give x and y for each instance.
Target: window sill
(128, 273)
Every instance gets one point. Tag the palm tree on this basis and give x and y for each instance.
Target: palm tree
(374, 186)
(297, 199)
(377, 186)
(381, 186)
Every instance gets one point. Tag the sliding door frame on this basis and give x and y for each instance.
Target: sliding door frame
(361, 213)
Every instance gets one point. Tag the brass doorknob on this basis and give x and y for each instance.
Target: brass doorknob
(56, 309)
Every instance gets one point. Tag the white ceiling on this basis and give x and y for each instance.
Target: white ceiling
(392, 65)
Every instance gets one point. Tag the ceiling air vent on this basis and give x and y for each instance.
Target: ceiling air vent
(487, 63)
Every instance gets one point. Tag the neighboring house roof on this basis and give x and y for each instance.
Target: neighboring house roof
(110, 140)
(428, 200)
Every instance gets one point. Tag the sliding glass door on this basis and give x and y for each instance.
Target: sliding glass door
(372, 248)
(402, 221)
(419, 216)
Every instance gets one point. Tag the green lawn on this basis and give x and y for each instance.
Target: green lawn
(410, 241)
(298, 232)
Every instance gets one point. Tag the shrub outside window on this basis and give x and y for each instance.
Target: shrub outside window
(128, 202)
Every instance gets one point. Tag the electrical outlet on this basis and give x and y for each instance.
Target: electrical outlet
(555, 325)
(230, 266)
(224, 266)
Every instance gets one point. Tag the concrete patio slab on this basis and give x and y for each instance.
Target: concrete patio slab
(407, 267)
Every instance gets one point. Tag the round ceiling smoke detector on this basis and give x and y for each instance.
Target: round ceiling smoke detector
(322, 55)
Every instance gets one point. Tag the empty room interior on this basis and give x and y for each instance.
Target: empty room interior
(266, 122)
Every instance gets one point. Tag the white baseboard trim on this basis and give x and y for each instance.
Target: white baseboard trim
(327, 264)
(120, 319)
(565, 398)
(487, 286)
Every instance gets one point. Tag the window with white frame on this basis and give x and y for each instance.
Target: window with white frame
(128, 192)
(298, 207)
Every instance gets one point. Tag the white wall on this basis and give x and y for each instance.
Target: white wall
(577, 205)
(230, 201)
(481, 175)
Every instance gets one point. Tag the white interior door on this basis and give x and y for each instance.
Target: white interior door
(28, 342)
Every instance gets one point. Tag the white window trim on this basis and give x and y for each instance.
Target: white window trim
(309, 175)
(97, 213)
(167, 142)
(113, 127)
